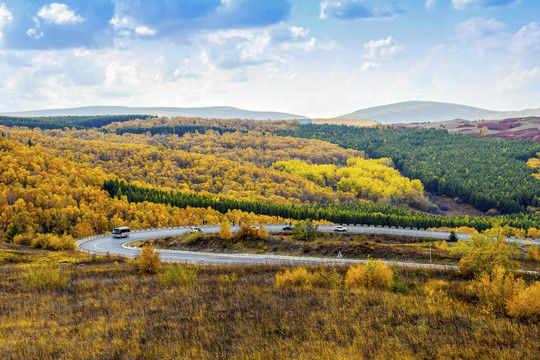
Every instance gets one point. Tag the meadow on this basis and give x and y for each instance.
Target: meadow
(104, 308)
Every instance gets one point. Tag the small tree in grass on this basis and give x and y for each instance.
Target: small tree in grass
(452, 237)
(372, 275)
(483, 253)
(225, 229)
(178, 275)
(149, 263)
(532, 254)
(13, 231)
(305, 231)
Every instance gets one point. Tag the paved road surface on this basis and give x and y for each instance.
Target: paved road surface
(106, 244)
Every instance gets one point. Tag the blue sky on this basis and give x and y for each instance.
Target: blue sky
(318, 58)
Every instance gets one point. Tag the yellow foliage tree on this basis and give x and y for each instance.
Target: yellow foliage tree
(149, 263)
(372, 275)
(225, 229)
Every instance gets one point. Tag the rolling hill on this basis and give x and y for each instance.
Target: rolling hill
(222, 112)
(527, 128)
(430, 111)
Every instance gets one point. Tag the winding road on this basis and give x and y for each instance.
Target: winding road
(103, 244)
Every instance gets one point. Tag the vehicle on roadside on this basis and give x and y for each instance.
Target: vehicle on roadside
(340, 228)
(287, 228)
(194, 229)
(121, 232)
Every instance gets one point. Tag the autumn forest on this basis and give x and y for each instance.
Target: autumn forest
(67, 178)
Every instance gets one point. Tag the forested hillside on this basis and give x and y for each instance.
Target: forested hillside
(487, 173)
(60, 122)
(165, 172)
(42, 193)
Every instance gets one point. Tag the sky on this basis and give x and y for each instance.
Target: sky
(318, 58)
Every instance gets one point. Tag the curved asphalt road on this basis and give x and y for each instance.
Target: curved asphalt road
(106, 244)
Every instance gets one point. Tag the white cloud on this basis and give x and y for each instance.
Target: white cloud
(237, 48)
(5, 18)
(369, 65)
(430, 3)
(519, 78)
(383, 49)
(33, 33)
(478, 27)
(299, 31)
(463, 4)
(145, 31)
(526, 39)
(59, 14)
(481, 34)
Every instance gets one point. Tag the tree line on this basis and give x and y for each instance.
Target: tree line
(60, 122)
(370, 213)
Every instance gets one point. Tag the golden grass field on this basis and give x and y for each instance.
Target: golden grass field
(103, 308)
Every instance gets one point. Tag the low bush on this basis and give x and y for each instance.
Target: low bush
(53, 242)
(24, 239)
(304, 278)
(435, 287)
(495, 289)
(372, 275)
(399, 286)
(484, 253)
(443, 246)
(326, 279)
(149, 263)
(44, 277)
(178, 275)
(526, 304)
(297, 277)
(227, 280)
(531, 255)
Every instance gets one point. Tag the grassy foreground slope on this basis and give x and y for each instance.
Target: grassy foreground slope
(105, 309)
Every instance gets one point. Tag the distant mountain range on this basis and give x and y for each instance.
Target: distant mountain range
(403, 112)
(222, 112)
(430, 111)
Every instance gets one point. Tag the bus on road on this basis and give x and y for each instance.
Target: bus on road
(121, 232)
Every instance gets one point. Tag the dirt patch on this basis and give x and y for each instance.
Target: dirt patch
(453, 207)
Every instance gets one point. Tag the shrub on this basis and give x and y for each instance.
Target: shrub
(532, 254)
(227, 280)
(304, 278)
(53, 242)
(13, 231)
(24, 239)
(483, 253)
(178, 275)
(526, 304)
(435, 287)
(452, 237)
(262, 233)
(305, 231)
(374, 274)
(247, 231)
(326, 279)
(399, 286)
(225, 229)
(495, 289)
(44, 277)
(149, 263)
(443, 246)
(298, 277)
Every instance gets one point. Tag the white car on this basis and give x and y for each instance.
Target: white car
(195, 229)
(340, 228)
